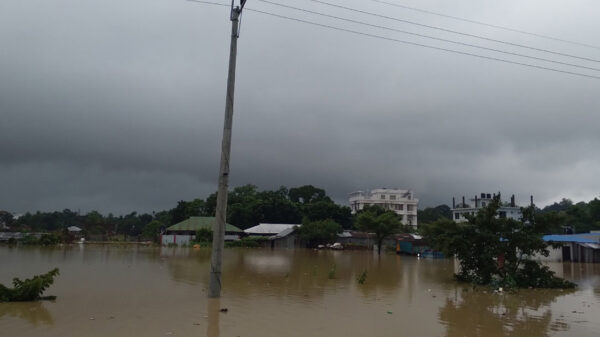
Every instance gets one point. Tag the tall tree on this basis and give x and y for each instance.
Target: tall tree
(322, 210)
(431, 214)
(307, 194)
(319, 232)
(6, 218)
(152, 230)
(497, 250)
(380, 222)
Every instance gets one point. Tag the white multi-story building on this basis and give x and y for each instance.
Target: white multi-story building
(402, 202)
(506, 210)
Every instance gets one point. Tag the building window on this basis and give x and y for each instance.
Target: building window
(456, 216)
(483, 204)
(392, 197)
(382, 197)
(409, 208)
(502, 215)
(400, 207)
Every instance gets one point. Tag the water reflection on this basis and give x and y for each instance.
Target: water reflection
(479, 313)
(214, 312)
(298, 273)
(150, 291)
(33, 312)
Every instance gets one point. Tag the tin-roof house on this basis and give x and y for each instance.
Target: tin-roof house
(185, 231)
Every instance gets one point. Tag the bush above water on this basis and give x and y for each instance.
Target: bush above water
(28, 289)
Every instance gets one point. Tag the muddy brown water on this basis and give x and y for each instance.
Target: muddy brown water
(152, 291)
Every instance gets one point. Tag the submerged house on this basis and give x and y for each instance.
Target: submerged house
(350, 238)
(75, 231)
(287, 238)
(184, 232)
(268, 229)
(413, 244)
(583, 247)
(279, 235)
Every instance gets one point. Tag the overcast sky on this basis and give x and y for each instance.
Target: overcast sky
(118, 105)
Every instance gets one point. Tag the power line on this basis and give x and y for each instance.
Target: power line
(403, 41)
(427, 36)
(210, 3)
(452, 31)
(485, 24)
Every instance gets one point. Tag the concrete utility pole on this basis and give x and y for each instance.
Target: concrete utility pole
(214, 289)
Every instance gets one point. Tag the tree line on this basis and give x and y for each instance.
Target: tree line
(246, 207)
(567, 217)
(249, 206)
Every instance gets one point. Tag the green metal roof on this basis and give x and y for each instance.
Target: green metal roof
(197, 222)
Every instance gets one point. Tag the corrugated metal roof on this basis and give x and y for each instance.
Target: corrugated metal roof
(578, 238)
(73, 229)
(269, 228)
(198, 222)
(283, 233)
(344, 234)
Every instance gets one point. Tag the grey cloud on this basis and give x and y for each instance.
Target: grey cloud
(119, 106)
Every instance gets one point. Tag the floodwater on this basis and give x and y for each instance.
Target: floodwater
(152, 291)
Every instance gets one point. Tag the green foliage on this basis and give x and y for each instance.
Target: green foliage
(44, 240)
(362, 278)
(246, 207)
(581, 217)
(307, 194)
(248, 242)
(380, 222)
(6, 218)
(319, 232)
(49, 239)
(432, 214)
(187, 209)
(495, 251)
(327, 209)
(532, 274)
(204, 235)
(28, 289)
(29, 240)
(152, 230)
(332, 271)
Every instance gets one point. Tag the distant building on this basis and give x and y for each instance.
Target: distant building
(402, 202)
(184, 232)
(75, 231)
(279, 235)
(269, 229)
(506, 210)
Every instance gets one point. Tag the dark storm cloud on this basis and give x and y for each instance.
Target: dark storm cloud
(118, 106)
